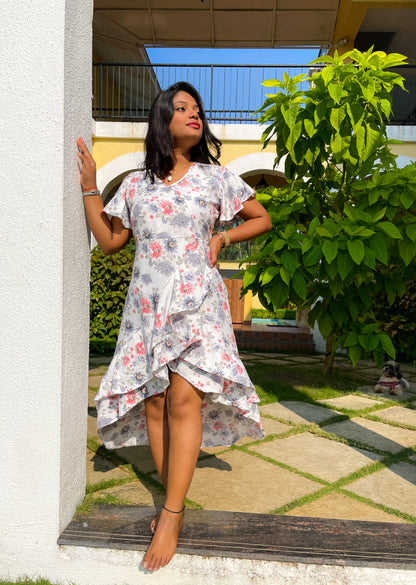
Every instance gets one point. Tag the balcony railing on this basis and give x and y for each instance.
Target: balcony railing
(230, 93)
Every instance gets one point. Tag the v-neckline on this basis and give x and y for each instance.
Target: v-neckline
(181, 178)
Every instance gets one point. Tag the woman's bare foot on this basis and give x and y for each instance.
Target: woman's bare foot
(163, 545)
(154, 523)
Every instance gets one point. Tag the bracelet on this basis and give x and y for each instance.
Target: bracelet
(224, 237)
(91, 192)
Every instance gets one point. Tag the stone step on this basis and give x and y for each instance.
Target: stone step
(253, 536)
(274, 338)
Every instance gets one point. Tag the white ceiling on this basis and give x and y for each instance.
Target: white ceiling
(123, 27)
(215, 23)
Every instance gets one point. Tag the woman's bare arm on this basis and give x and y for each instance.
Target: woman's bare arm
(256, 222)
(110, 234)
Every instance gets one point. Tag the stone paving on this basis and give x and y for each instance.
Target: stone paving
(349, 457)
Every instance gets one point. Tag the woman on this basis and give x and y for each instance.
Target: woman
(176, 380)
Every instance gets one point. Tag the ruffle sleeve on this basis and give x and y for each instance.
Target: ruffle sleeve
(117, 206)
(234, 192)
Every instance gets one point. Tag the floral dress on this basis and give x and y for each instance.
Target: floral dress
(176, 315)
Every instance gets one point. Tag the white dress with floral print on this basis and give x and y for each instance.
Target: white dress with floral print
(176, 315)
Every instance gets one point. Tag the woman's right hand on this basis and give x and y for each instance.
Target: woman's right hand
(88, 175)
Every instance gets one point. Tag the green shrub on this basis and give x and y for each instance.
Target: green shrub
(110, 278)
(399, 322)
(279, 314)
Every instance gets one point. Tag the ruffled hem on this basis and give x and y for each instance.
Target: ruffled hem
(228, 411)
(180, 347)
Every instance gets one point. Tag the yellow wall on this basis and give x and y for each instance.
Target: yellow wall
(104, 150)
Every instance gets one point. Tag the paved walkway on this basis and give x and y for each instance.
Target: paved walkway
(351, 457)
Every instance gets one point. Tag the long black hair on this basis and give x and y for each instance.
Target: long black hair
(159, 141)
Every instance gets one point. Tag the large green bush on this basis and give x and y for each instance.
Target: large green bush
(110, 278)
(344, 226)
(399, 322)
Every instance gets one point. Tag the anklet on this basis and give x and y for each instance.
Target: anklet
(173, 511)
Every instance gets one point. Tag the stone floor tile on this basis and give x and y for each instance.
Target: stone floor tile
(100, 469)
(137, 494)
(321, 457)
(94, 381)
(344, 508)
(250, 356)
(369, 390)
(303, 359)
(297, 412)
(237, 481)
(140, 457)
(394, 487)
(375, 434)
(97, 361)
(97, 371)
(273, 427)
(279, 362)
(398, 414)
(91, 424)
(366, 364)
(91, 396)
(351, 402)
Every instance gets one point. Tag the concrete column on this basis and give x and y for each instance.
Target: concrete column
(45, 92)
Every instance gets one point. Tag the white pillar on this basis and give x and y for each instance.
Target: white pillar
(45, 96)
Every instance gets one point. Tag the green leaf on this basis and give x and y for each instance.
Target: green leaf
(356, 250)
(279, 294)
(355, 113)
(284, 275)
(360, 137)
(369, 258)
(330, 250)
(390, 229)
(411, 231)
(312, 257)
(337, 117)
(294, 135)
(407, 199)
(290, 261)
(379, 215)
(387, 345)
(325, 324)
(365, 297)
(269, 274)
(355, 354)
(354, 311)
(299, 285)
(290, 114)
(345, 264)
(335, 91)
(379, 247)
(273, 83)
(351, 340)
(310, 127)
(250, 274)
(373, 139)
(407, 251)
(327, 74)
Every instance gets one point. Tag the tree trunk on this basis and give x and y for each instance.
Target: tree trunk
(329, 356)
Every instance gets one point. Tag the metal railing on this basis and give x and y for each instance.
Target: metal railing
(230, 93)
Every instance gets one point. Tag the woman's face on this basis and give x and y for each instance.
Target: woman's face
(185, 126)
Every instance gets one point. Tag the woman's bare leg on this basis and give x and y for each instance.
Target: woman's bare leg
(185, 435)
(158, 435)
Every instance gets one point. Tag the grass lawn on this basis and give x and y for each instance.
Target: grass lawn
(301, 383)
